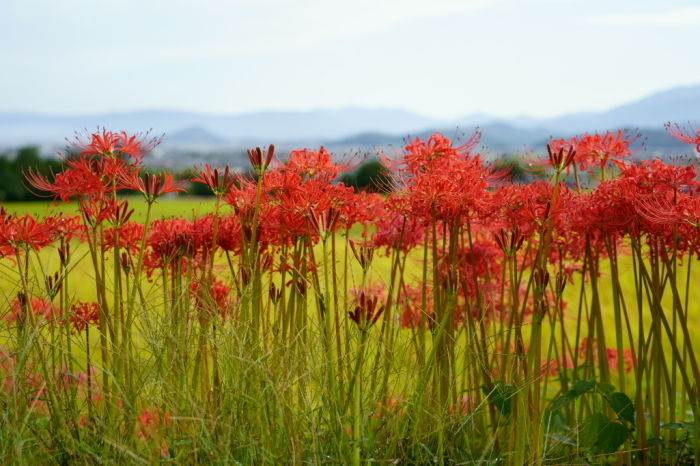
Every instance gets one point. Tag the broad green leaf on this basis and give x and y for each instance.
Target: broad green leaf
(582, 386)
(611, 437)
(590, 429)
(562, 401)
(655, 441)
(605, 388)
(689, 426)
(622, 405)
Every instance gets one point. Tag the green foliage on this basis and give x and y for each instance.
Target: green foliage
(622, 405)
(370, 176)
(12, 186)
(598, 432)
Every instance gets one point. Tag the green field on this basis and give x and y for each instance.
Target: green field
(166, 207)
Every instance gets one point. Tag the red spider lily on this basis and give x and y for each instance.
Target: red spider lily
(53, 284)
(283, 180)
(213, 299)
(84, 314)
(654, 176)
(26, 231)
(611, 354)
(275, 293)
(442, 182)
(256, 158)
(560, 283)
(609, 209)
(534, 206)
(319, 163)
(151, 186)
(420, 156)
(363, 254)
(689, 136)
(373, 288)
(170, 239)
(597, 149)
(114, 144)
(98, 210)
(325, 221)
(366, 312)
(129, 235)
(558, 160)
(219, 183)
(398, 231)
(66, 228)
(242, 198)
(82, 178)
(42, 308)
(660, 211)
(363, 208)
(560, 155)
(152, 421)
(122, 214)
(509, 241)
(229, 234)
(97, 167)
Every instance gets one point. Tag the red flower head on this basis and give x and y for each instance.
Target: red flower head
(319, 163)
(595, 150)
(151, 186)
(84, 314)
(42, 308)
(420, 156)
(256, 158)
(689, 136)
(26, 231)
(366, 312)
(219, 183)
(114, 145)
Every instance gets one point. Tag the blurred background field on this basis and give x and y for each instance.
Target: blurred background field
(189, 207)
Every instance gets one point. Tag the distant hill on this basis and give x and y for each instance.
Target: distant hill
(194, 136)
(265, 126)
(358, 127)
(680, 105)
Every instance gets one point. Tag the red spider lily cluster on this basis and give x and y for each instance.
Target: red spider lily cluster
(442, 190)
(488, 258)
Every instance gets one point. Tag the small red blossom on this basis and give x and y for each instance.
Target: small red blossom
(114, 144)
(218, 182)
(26, 231)
(689, 136)
(42, 309)
(84, 314)
(319, 163)
(366, 312)
(151, 185)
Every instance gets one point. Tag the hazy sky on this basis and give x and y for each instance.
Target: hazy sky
(442, 58)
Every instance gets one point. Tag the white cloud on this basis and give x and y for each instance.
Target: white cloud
(686, 16)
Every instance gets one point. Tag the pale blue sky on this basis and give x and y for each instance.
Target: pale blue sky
(443, 58)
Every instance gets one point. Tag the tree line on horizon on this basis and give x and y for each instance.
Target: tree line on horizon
(370, 175)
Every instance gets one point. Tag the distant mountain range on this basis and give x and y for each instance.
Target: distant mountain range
(359, 127)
